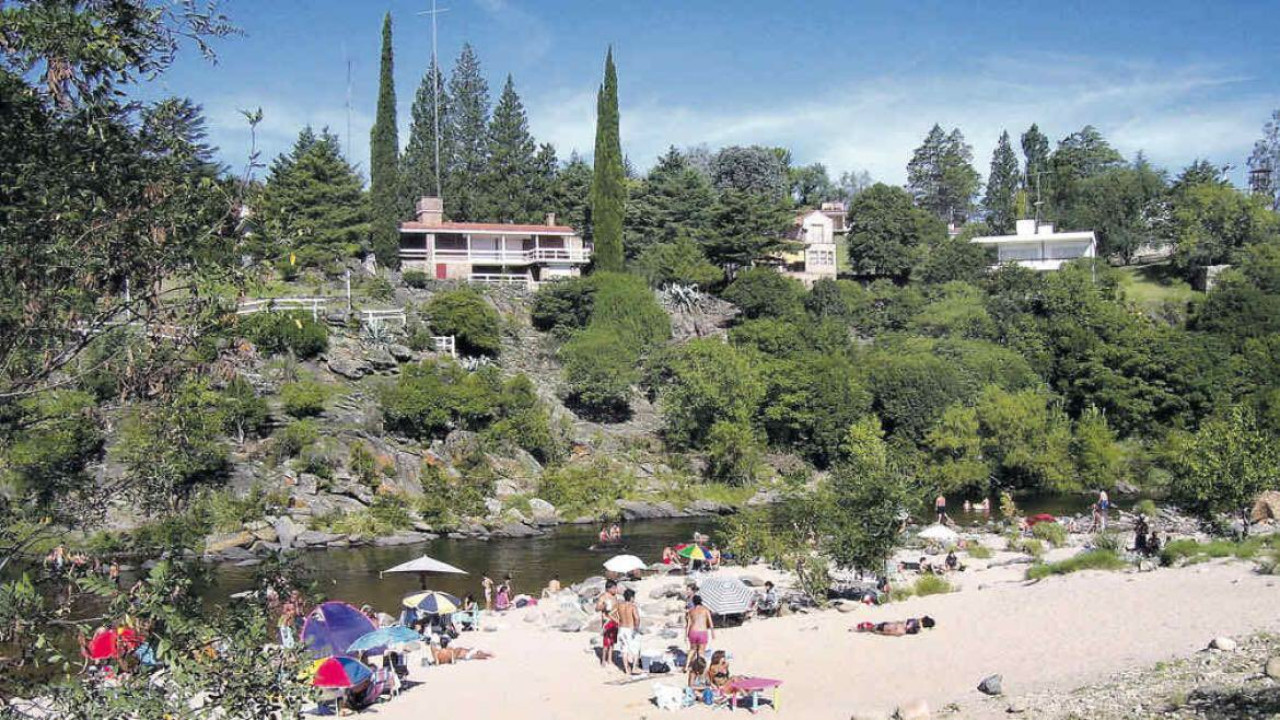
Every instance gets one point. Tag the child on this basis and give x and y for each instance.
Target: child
(699, 689)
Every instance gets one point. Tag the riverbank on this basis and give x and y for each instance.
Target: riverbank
(1043, 637)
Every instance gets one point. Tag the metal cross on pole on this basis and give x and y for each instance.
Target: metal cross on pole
(435, 90)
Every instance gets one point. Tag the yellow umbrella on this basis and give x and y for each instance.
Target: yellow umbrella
(433, 602)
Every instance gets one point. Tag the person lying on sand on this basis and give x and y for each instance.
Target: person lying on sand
(447, 655)
(910, 626)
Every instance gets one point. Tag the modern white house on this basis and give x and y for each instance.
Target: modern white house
(489, 252)
(817, 231)
(1038, 247)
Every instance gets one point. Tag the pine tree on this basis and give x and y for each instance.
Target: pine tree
(1035, 156)
(384, 164)
(1001, 201)
(469, 138)
(941, 177)
(419, 164)
(543, 184)
(608, 189)
(508, 183)
(571, 195)
(674, 200)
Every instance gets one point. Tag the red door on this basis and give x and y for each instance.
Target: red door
(441, 271)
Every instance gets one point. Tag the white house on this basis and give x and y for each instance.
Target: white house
(1039, 247)
(489, 252)
(817, 231)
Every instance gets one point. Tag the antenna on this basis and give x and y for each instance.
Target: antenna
(1039, 202)
(347, 58)
(435, 91)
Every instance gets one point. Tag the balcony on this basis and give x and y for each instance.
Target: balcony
(498, 257)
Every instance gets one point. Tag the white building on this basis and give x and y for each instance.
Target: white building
(489, 252)
(817, 231)
(1039, 247)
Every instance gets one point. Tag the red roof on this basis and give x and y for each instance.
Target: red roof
(486, 227)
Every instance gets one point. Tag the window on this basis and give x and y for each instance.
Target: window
(1014, 253)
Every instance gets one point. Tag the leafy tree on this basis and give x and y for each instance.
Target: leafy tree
(1245, 303)
(53, 438)
(680, 262)
(710, 381)
(811, 402)
(175, 131)
(765, 292)
(1035, 156)
(386, 200)
(1001, 201)
(1081, 155)
(571, 195)
(851, 183)
(245, 413)
(810, 185)
(469, 138)
(912, 390)
(746, 228)
(276, 333)
(1264, 163)
(1212, 223)
(305, 397)
(419, 176)
(1100, 459)
(1120, 204)
(608, 186)
(1223, 466)
(941, 177)
(956, 308)
(956, 258)
(511, 179)
(862, 502)
(673, 201)
(564, 306)
(888, 233)
(312, 204)
(733, 453)
(753, 170)
(469, 317)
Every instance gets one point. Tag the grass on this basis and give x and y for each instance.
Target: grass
(1050, 532)
(1190, 551)
(1154, 285)
(926, 585)
(1095, 560)
(978, 551)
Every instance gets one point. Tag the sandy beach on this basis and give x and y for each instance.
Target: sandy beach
(1056, 634)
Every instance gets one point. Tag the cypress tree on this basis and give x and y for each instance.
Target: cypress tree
(419, 165)
(468, 128)
(1035, 154)
(608, 188)
(384, 170)
(509, 180)
(1002, 187)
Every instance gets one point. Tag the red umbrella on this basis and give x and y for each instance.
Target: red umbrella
(104, 645)
(1042, 517)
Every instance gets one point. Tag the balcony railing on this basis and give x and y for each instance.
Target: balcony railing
(499, 257)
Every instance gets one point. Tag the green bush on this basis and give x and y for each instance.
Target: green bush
(467, 316)
(564, 306)
(765, 292)
(280, 332)
(415, 279)
(295, 436)
(384, 517)
(926, 585)
(380, 289)
(304, 398)
(1091, 560)
(978, 551)
(1146, 507)
(445, 499)
(1030, 546)
(1050, 532)
(625, 305)
(681, 262)
(733, 453)
(245, 413)
(368, 466)
(582, 489)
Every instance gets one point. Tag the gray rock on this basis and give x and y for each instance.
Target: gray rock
(516, 530)
(308, 484)
(1223, 643)
(400, 352)
(991, 685)
(571, 625)
(248, 562)
(313, 538)
(1146, 566)
(752, 581)
(380, 358)
(219, 543)
(232, 554)
(400, 538)
(1273, 668)
(492, 506)
(1016, 708)
(641, 510)
(347, 366)
(544, 513)
(286, 530)
(709, 507)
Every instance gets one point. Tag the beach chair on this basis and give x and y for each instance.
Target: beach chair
(466, 619)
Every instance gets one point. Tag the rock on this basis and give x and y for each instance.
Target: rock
(265, 533)
(248, 562)
(751, 581)
(347, 366)
(400, 538)
(846, 607)
(516, 530)
(400, 352)
(492, 506)
(1273, 668)
(286, 530)
(231, 554)
(641, 510)
(505, 488)
(709, 507)
(1223, 643)
(593, 625)
(992, 685)
(308, 484)
(590, 587)
(544, 513)
(913, 710)
(219, 543)
(380, 358)
(1016, 708)
(313, 538)
(1146, 566)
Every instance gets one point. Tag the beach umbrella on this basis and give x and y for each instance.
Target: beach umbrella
(433, 602)
(624, 564)
(726, 596)
(332, 627)
(693, 552)
(339, 671)
(940, 533)
(382, 638)
(424, 566)
(104, 645)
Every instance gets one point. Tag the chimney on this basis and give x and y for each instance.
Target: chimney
(1026, 227)
(430, 210)
(551, 219)
(1045, 229)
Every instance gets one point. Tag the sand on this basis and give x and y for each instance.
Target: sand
(1059, 633)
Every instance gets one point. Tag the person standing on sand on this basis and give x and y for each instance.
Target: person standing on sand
(1100, 510)
(605, 605)
(940, 506)
(627, 615)
(487, 584)
(699, 628)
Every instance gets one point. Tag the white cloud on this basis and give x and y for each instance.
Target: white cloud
(1174, 114)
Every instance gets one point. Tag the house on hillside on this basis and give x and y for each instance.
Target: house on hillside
(1038, 247)
(489, 252)
(816, 232)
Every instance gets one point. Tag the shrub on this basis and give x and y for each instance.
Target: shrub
(304, 398)
(244, 412)
(585, 488)
(681, 262)
(733, 453)
(294, 332)
(445, 498)
(1146, 507)
(601, 371)
(564, 306)
(467, 316)
(978, 551)
(1050, 532)
(1092, 560)
(765, 292)
(625, 305)
(1108, 541)
(294, 437)
(368, 466)
(380, 289)
(384, 517)
(1030, 546)
(415, 279)
(931, 585)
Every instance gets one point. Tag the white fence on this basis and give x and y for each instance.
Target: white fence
(383, 316)
(445, 344)
(315, 306)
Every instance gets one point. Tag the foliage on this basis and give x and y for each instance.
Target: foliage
(1188, 550)
(679, 262)
(1120, 204)
(514, 182)
(1003, 184)
(446, 498)
(386, 200)
(466, 127)
(755, 170)
(294, 437)
(978, 551)
(585, 488)
(926, 585)
(468, 316)
(709, 381)
(418, 176)
(765, 292)
(384, 517)
(280, 332)
(810, 403)
(1264, 163)
(1223, 466)
(955, 259)
(941, 177)
(53, 438)
(747, 227)
(911, 391)
(244, 412)
(1090, 560)
(1100, 459)
(670, 207)
(564, 306)
(888, 233)
(608, 187)
(1050, 532)
(415, 279)
(861, 500)
(306, 397)
(733, 453)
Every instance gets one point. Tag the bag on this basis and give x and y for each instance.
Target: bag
(658, 667)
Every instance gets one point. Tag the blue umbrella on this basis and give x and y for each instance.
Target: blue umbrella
(383, 637)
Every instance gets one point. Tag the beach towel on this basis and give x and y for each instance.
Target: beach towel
(668, 697)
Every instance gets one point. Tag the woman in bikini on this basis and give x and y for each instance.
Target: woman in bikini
(699, 628)
(718, 670)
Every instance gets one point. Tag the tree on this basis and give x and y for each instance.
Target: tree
(1264, 163)
(608, 187)
(680, 262)
(467, 316)
(746, 227)
(1100, 459)
(941, 177)
(733, 453)
(754, 170)
(571, 195)
(863, 499)
(1081, 155)
(851, 183)
(385, 199)
(419, 164)
(673, 201)
(312, 203)
(956, 258)
(810, 185)
(511, 181)
(469, 138)
(810, 403)
(1223, 467)
(765, 292)
(1035, 156)
(888, 233)
(710, 381)
(1211, 224)
(1001, 201)
(1121, 205)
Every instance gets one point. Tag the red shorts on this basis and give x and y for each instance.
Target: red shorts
(610, 633)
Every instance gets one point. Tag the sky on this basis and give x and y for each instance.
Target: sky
(853, 85)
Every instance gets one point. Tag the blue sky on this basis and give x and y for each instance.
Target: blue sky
(855, 85)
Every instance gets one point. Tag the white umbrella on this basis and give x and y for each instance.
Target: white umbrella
(726, 596)
(423, 566)
(940, 533)
(624, 564)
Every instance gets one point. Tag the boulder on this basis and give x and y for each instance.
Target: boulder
(544, 513)
(401, 538)
(708, 507)
(590, 587)
(286, 530)
(594, 624)
(913, 710)
(1223, 643)
(1146, 566)
(315, 538)
(1272, 668)
(1266, 506)
(380, 358)
(751, 581)
(991, 685)
(846, 607)
(1016, 708)
(492, 506)
(264, 532)
(347, 366)
(571, 625)
(516, 530)
(218, 544)
(308, 484)
(641, 510)
(231, 554)
(400, 352)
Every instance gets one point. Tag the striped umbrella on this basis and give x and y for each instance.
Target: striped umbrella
(381, 638)
(433, 602)
(339, 671)
(693, 552)
(726, 596)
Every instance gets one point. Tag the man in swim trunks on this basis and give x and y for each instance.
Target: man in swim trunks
(910, 626)
(605, 605)
(627, 615)
(698, 627)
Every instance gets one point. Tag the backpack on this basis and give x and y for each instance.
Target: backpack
(658, 667)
